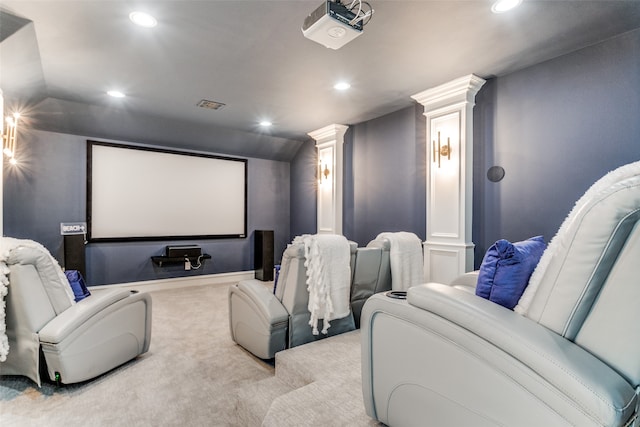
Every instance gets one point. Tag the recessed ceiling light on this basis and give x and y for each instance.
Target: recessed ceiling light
(143, 19)
(504, 5)
(265, 123)
(116, 94)
(341, 86)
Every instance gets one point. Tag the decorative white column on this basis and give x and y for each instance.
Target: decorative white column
(448, 250)
(329, 143)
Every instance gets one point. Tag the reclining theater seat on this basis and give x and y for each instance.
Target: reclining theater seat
(264, 323)
(79, 341)
(568, 356)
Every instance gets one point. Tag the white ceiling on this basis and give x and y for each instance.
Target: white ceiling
(59, 57)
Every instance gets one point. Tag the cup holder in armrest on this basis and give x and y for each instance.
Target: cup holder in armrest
(397, 294)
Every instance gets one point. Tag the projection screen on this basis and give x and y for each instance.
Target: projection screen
(141, 193)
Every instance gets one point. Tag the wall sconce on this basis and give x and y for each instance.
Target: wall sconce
(442, 150)
(323, 172)
(9, 138)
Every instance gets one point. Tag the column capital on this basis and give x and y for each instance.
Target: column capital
(460, 90)
(328, 133)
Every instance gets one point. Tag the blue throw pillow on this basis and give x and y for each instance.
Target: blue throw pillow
(76, 281)
(506, 269)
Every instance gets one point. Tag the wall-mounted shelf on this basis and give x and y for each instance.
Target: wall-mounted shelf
(165, 259)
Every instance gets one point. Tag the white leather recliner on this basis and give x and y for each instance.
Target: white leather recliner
(264, 323)
(568, 356)
(79, 341)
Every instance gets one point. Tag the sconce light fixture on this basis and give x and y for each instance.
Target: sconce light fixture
(441, 150)
(323, 172)
(9, 137)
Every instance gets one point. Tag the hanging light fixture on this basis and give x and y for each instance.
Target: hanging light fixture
(9, 137)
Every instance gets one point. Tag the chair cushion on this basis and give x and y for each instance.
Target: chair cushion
(506, 269)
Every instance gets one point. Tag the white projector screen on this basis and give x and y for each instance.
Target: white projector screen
(140, 193)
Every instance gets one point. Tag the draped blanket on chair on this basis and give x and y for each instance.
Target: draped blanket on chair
(327, 259)
(405, 256)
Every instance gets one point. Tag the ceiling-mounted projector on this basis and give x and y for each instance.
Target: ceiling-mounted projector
(333, 25)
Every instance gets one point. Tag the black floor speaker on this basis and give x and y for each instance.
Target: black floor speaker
(264, 255)
(74, 253)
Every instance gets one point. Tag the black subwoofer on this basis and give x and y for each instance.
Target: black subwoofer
(74, 253)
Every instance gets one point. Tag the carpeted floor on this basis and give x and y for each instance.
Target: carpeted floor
(190, 376)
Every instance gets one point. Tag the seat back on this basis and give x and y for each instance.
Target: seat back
(292, 292)
(587, 284)
(371, 274)
(51, 282)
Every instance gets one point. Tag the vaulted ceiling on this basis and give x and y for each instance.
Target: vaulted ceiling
(59, 57)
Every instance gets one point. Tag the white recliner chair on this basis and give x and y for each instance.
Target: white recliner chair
(79, 341)
(264, 323)
(568, 356)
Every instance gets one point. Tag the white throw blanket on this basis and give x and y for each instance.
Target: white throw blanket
(405, 257)
(327, 259)
(7, 244)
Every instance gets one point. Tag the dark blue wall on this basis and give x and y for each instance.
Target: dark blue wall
(384, 186)
(304, 185)
(385, 181)
(555, 128)
(50, 188)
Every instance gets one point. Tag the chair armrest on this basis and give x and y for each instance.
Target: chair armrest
(70, 319)
(269, 307)
(592, 384)
(466, 282)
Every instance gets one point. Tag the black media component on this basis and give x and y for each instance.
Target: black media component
(184, 251)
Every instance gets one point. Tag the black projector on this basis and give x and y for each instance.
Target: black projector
(184, 251)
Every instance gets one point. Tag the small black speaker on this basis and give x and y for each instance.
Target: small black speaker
(264, 255)
(74, 253)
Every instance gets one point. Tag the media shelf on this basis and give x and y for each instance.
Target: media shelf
(161, 259)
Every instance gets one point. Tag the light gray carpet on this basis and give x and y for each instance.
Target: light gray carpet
(326, 378)
(189, 377)
(195, 375)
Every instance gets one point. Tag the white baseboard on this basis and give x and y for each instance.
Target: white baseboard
(182, 282)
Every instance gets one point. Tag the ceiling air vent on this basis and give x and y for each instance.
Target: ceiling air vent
(211, 105)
